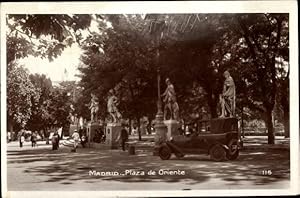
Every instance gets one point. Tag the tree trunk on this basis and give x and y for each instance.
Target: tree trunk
(286, 123)
(63, 130)
(139, 128)
(242, 123)
(11, 127)
(130, 126)
(269, 124)
(212, 103)
(286, 114)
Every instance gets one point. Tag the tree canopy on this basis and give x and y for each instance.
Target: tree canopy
(193, 50)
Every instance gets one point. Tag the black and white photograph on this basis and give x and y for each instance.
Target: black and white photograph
(120, 97)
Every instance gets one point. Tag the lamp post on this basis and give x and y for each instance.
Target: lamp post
(160, 127)
(159, 103)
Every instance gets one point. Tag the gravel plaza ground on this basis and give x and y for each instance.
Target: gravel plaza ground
(41, 168)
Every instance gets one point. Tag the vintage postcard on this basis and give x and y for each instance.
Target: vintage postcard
(135, 99)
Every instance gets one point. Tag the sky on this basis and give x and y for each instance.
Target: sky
(55, 70)
(68, 60)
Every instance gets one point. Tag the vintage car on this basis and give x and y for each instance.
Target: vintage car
(219, 138)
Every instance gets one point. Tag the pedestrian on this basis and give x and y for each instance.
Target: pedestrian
(33, 139)
(102, 135)
(83, 137)
(9, 136)
(47, 137)
(76, 139)
(22, 139)
(55, 140)
(83, 140)
(123, 137)
(180, 131)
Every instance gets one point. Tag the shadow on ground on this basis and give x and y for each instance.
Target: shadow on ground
(65, 167)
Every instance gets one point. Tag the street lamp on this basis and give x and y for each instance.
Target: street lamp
(160, 127)
(159, 103)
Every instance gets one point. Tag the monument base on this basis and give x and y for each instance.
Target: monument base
(160, 133)
(172, 126)
(91, 131)
(112, 132)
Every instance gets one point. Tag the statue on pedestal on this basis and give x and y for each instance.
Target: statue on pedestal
(170, 101)
(227, 99)
(112, 109)
(94, 107)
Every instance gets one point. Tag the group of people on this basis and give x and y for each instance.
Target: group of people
(99, 136)
(77, 137)
(55, 140)
(33, 139)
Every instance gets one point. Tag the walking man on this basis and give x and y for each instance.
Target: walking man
(124, 137)
(33, 139)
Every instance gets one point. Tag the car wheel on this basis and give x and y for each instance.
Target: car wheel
(233, 151)
(165, 153)
(217, 153)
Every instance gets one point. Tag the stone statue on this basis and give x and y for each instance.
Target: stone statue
(94, 107)
(170, 101)
(112, 109)
(227, 99)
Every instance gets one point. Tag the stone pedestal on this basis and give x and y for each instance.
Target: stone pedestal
(172, 128)
(160, 132)
(91, 131)
(112, 133)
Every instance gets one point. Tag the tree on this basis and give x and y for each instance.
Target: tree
(130, 75)
(17, 47)
(193, 50)
(283, 96)
(21, 93)
(266, 39)
(41, 117)
(44, 35)
(60, 109)
(188, 49)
